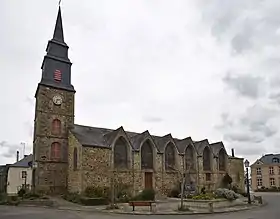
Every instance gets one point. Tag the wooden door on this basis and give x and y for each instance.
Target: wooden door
(148, 180)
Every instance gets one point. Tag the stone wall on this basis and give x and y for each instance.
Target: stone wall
(75, 179)
(236, 171)
(95, 169)
(51, 175)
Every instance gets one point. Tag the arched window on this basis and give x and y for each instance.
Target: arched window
(56, 127)
(75, 159)
(147, 158)
(55, 151)
(169, 157)
(222, 160)
(120, 153)
(206, 159)
(189, 158)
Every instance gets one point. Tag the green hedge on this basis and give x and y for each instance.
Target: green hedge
(145, 195)
(272, 189)
(93, 201)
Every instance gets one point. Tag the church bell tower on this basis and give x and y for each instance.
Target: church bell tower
(54, 115)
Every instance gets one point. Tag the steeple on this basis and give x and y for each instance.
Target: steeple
(58, 31)
(56, 66)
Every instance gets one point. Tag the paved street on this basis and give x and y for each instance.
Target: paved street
(271, 211)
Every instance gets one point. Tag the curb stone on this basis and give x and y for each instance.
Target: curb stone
(161, 213)
(147, 213)
(185, 213)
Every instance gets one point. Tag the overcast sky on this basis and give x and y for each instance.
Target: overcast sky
(199, 68)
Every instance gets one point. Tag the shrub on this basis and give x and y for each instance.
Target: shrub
(227, 194)
(123, 193)
(174, 193)
(271, 189)
(235, 189)
(226, 181)
(93, 201)
(112, 207)
(148, 194)
(203, 190)
(31, 195)
(21, 192)
(190, 196)
(145, 195)
(72, 197)
(96, 192)
(204, 197)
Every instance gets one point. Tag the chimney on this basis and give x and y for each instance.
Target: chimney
(17, 156)
(232, 152)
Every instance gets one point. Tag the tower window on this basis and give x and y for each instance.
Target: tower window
(55, 151)
(57, 75)
(56, 127)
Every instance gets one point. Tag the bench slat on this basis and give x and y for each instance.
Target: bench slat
(140, 203)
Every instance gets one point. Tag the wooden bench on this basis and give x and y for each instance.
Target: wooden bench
(141, 203)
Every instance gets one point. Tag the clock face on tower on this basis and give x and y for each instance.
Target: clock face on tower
(57, 100)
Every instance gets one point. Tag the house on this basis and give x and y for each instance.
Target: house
(19, 175)
(265, 172)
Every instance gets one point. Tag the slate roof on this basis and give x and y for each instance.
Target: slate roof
(25, 162)
(200, 145)
(103, 137)
(182, 144)
(216, 147)
(268, 158)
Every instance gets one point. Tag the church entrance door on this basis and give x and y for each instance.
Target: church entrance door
(148, 180)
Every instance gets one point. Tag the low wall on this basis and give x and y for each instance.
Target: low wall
(48, 203)
(216, 203)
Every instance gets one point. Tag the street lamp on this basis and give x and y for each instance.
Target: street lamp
(247, 164)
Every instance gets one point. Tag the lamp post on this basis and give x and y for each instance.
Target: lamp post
(247, 164)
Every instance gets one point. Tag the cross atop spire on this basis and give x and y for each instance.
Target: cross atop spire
(58, 31)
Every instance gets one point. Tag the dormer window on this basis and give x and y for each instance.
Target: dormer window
(275, 160)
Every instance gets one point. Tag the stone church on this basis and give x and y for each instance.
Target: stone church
(71, 157)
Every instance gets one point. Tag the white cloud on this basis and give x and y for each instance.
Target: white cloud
(156, 65)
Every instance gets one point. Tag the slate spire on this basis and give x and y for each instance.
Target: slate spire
(58, 31)
(56, 66)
